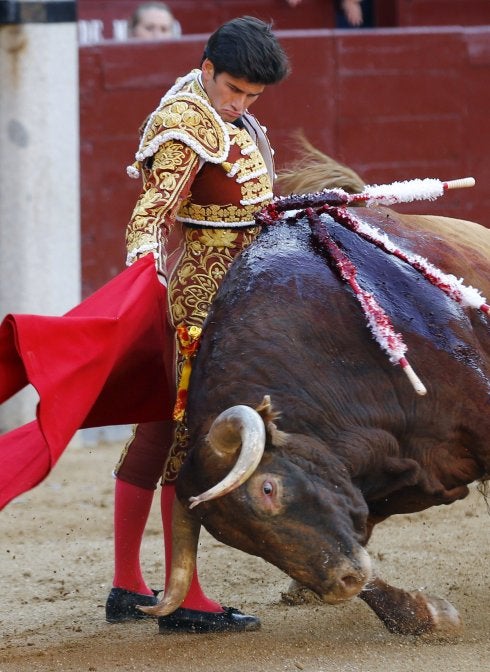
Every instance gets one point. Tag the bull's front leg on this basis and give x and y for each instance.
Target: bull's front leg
(411, 613)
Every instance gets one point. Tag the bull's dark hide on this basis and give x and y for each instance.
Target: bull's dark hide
(283, 324)
(361, 444)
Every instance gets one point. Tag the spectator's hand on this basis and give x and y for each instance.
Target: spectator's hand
(293, 3)
(353, 12)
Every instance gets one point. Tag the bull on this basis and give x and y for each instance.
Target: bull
(303, 435)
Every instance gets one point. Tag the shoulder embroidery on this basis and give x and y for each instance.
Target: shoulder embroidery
(185, 116)
(190, 119)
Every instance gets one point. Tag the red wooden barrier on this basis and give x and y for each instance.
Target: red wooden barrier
(393, 104)
(442, 12)
(197, 16)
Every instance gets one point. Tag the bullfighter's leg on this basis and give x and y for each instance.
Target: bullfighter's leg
(195, 599)
(137, 475)
(411, 613)
(197, 613)
(131, 511)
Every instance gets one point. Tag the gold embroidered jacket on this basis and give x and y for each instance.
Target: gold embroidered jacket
(196, 169)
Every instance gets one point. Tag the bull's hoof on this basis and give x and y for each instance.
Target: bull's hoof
(427, 617)
(297, 594)
(446, 621)
(412, 613)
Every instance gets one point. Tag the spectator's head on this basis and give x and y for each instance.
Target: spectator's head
(153, 21)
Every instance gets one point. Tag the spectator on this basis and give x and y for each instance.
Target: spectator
(349, 13)
(354, 14)
(153, 21)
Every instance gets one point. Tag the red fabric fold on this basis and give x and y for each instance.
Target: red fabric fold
(100, 364)
(13, 376)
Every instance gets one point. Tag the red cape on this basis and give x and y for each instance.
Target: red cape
(100, 364)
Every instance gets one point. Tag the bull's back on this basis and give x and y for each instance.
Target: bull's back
(457, 246)
(284, 324)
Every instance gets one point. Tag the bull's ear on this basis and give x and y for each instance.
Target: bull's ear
(269, 415)
(266, 412)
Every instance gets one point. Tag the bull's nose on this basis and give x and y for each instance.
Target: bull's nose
(349, 578)
(350, 585)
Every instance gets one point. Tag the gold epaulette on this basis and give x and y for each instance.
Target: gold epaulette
(191, 119)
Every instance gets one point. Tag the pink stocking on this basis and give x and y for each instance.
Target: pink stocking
(131, 510)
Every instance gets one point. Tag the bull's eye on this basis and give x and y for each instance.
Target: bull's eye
(267, 488)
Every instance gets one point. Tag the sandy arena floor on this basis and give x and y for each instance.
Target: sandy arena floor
(56, 570)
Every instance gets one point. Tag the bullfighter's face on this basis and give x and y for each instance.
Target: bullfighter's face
(230, 96)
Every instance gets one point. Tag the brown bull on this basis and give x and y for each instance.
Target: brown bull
(339, 440)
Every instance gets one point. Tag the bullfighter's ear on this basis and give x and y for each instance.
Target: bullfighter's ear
(269, 415)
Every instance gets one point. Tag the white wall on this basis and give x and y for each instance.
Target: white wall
(39, 178)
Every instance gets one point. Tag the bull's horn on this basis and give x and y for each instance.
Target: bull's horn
(185, 537)
(238, 425)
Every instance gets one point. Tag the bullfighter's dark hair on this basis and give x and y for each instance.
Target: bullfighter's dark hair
(246, 48)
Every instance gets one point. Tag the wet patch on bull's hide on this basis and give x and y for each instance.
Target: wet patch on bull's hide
(280, 241)
(415, 306)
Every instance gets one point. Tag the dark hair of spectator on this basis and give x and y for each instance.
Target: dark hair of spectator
(246, 48)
